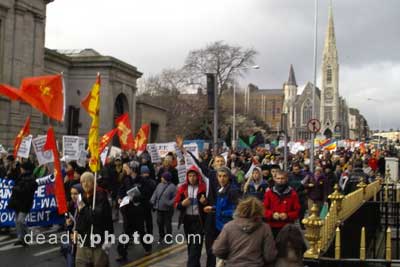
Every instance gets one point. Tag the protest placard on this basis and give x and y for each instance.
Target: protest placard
(25, 147)
(43, 157)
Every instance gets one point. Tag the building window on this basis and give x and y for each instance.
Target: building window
(329, 75)
(307, 111)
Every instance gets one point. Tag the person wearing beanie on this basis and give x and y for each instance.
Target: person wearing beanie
(163, 203)
(167, 166)
(145, 173)
(139, 191)
(21, 199)
(144, 170)
(12, 170)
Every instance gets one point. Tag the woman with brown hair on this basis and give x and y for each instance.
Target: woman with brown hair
(246, 241)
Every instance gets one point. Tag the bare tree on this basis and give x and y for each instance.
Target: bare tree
(226, 61)
(168, 82)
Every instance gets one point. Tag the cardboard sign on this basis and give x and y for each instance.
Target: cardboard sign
(72, 147)
(43, 157)
(164, 148)
(193, 148)
(25, 147)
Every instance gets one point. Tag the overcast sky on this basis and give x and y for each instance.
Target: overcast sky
(157, 34)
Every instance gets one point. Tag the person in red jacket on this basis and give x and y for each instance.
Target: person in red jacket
(281, 203)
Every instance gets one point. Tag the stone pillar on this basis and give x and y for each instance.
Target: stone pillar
(393, 165)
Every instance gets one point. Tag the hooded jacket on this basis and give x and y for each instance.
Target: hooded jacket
(183, 193)
(287, 202)
(227, 199)
(245, 242)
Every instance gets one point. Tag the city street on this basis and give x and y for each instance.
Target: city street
(50, 256)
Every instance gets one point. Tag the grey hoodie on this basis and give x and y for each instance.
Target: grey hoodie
(245, 243)
(163, 197)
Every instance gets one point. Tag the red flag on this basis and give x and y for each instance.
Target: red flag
(9, 92)
(105, 139)
(59, 183)
(46, 94)
(24, 132)
(142, 138)
(124, 131)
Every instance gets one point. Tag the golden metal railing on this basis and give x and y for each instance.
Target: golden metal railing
(320, 233)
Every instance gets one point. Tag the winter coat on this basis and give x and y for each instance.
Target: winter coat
(227, 199)
(354, 178)
(287, 202)
(245, 243)
(23, 193)
(100, 218)
(163, 197)
(317, 188)
(259, 192)
(183, 193)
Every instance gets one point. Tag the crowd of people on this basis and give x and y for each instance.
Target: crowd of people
(245, 207)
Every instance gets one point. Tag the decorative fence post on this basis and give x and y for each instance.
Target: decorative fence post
(313, 226)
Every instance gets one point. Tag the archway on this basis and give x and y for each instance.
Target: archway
(328, 133)
(121, 106)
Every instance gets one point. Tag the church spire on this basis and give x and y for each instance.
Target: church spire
(292, 78)
(330, 39)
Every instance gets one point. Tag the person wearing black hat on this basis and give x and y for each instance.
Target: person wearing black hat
(22, 199)
(133, 213)
(12, 170)
(163, 202)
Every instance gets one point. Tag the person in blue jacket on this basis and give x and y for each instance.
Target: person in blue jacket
(226, 201)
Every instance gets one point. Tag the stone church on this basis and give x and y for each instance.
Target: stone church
(330, 108)
(296, 101)
(22, 54)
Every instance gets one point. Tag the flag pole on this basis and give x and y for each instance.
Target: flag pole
(64, 95)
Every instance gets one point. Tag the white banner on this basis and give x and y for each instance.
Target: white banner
(164, 148)
(25, 147)
(43, 157)
(72, 147)
(153, 151)
(181, 173)
(193, 148)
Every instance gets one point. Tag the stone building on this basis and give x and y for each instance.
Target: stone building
(22, 54)
(358, 126)
(296, 101)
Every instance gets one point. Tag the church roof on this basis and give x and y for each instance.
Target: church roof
(292, 77)
(87, 52)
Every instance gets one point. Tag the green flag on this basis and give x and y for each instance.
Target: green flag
(251, 139)
(242, 144)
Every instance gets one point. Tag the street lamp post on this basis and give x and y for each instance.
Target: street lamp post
(234, 107)
(379, 121)
(314, 86)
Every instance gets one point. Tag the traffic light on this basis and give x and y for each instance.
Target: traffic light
(211, 90)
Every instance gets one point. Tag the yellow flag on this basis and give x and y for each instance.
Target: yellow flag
(92, 105)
